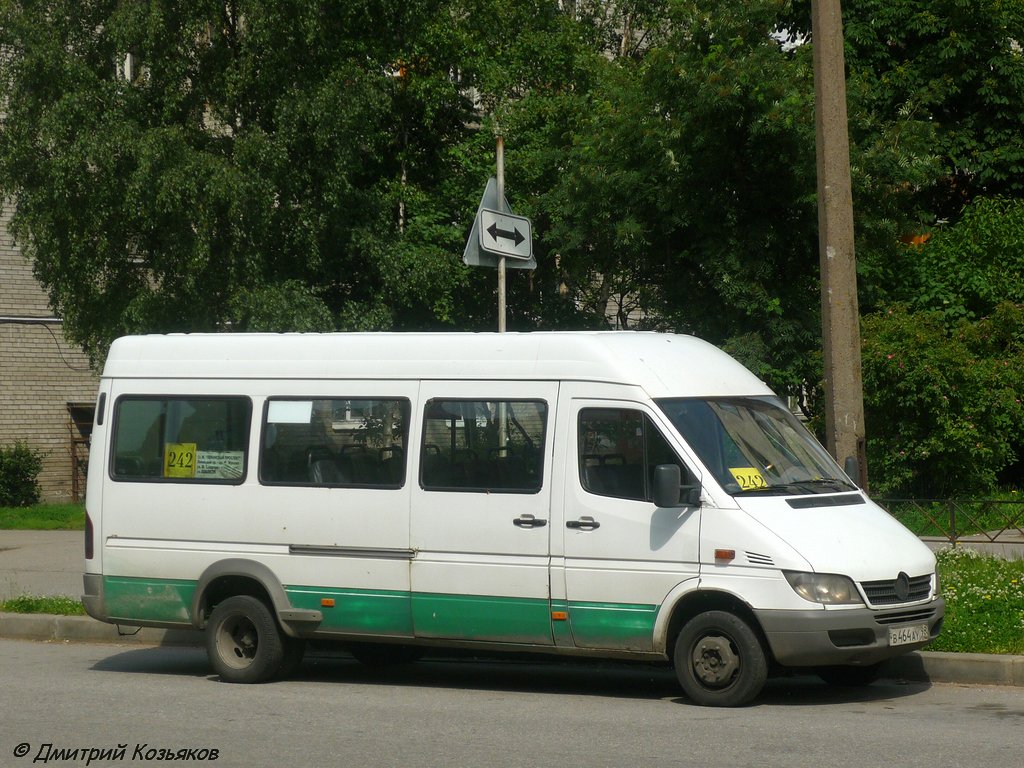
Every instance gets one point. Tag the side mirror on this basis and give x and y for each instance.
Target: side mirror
(852, 468)
(669, 490)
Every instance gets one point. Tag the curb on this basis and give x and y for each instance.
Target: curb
(966, 668)
(42, 626)
(918, 666)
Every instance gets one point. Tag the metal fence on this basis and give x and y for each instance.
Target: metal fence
(974, 520)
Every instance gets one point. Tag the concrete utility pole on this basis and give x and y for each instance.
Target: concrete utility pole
(500, 162)
(844, 408)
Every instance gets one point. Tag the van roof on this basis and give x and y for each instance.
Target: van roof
(665, 365)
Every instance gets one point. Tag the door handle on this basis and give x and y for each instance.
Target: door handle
(529, 521)
(585, 523)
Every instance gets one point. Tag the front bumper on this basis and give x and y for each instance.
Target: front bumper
(859, 636)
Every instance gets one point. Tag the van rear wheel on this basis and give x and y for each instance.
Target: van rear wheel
(719, 660)
(243, 641)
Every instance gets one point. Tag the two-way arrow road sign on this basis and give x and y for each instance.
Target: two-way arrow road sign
(505, 235)
(515, 235)
(497, 233)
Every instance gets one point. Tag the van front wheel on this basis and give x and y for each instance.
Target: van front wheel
(719, 660)
(243, 641)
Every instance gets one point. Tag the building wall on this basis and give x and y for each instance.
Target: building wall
(40, 373)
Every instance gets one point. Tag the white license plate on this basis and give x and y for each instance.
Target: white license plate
(907, 634)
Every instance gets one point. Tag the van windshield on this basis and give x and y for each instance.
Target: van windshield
(755, 445)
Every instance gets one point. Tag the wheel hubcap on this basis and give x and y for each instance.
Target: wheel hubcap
(714, 661)
(238, 642)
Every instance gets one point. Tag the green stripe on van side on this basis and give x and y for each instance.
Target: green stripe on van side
(397, 613)
(482, 617)
(362, 611)
(165, 600)
(613, 625)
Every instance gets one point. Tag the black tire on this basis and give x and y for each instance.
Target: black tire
(384, 654)
(851, 677)
(243, 641)
(719, 660)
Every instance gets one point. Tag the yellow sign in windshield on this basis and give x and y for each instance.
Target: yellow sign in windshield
(749, 478)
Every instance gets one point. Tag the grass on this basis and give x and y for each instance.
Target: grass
(60, 606)
(984, 603)
(43, 517)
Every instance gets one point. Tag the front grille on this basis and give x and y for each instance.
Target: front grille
(906, 617)
(885, 592)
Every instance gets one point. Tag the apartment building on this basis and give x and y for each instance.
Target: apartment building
(47, 391)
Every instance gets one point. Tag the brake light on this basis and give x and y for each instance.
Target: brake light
(88, 536)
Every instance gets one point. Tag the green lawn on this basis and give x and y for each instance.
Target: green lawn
(60, 606)
(43, 517)
(984, 603)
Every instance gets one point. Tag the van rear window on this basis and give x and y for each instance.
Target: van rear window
(335, 442)
(180, 439)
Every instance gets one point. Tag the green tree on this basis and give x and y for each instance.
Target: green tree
(673, 177)
(943, 401)
(955, 66)
(19, 475)
(969, 267)
(203, 165)
(942, 371)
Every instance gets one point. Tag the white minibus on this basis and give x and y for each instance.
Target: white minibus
(607, 494)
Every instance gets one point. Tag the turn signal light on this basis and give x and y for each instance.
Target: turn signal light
(327, 602)
(725, 554)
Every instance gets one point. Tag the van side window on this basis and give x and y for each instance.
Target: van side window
(483, 445)
(336, 442)
(180, 439)
(618, 451)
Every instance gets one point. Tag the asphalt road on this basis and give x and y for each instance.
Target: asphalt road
(470, 713)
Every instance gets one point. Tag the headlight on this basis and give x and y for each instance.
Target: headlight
(825, 588)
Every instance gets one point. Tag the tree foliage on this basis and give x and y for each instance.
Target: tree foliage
(19, 475)
(943, 401)
(955, 66)
(966, 269)
(203, 165)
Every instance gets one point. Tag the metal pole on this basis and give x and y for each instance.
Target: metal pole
(501, 259)
(844, 407)
(502, 408)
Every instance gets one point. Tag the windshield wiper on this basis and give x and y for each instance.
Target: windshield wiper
(774, 489)
(826, 484)
(800, 487)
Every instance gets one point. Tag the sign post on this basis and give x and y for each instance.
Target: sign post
(501, 256)
(499, 238)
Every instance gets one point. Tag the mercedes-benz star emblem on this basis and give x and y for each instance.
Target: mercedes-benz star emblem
(902, 587)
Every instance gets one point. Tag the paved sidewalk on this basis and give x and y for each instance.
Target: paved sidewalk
(46, 563)
(51, 562)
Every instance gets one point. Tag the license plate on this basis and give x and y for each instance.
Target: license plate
(907, 634)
